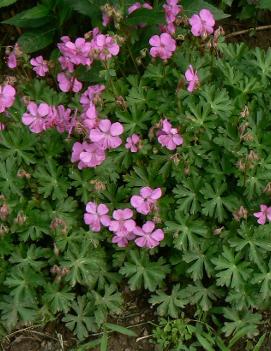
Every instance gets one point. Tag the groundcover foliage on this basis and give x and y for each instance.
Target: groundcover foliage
(125, 161)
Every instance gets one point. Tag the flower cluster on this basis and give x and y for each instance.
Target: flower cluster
(122, 224)
(84, 52)
(172, 9)
(42, 117)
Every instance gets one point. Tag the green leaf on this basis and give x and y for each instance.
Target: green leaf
(30, 17)
(51, 180)
(108, 302)
(240, 324)
(204, 343)
(264, 5)
(202, 296)
(194, 6)
(4, 3)
(90, 8)
(104, 342)
(141, 271)
(9, 182)
(82, 321)
(169, 305)
(18, 143)
(120, 329)
(187, 232)
(58, 299)
(85, 269)
(12, 311)
(146, 16)
(260, 342)
(36, 40)
(233, 271)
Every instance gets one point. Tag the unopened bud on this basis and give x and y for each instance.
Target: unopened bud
(10, 80)
(242, 212)
(217, 231)
(3, 230)
(252, 156)
(267, 189)
(59, 224)
(98, 185)
(23, 174)
(245, 112)
(26, 99)
(4, 212)
(241, 165)
(120, 101)
(20, 219)
(248, 137)
(56, 250)
(176, 159)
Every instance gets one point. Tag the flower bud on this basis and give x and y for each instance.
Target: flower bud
(245, 112)
(3, 230)
(20, 219)
(98, 185)
(217, 231)
(242, 212)
(4, 212)
(252, 156)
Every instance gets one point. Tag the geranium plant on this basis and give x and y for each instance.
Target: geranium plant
(139, 153)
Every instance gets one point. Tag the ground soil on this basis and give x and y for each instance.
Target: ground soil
(136, 315)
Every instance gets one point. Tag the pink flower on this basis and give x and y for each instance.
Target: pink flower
(13, 55)
(64, 122)
(106, 46)
(107, 134)
(40, 66)
(172, 9)
(192, 77)
(88, 155)
(148, 236)
(264, 214)
(67, 83)
(66, 64)
(91, 95)
(91, 156)
(96, 215)
(90, 117)
(169, 28)
(12, 60)
(7, 97)
(131, 142)
(106, 19)
(77, 52)
(168, 136)
(37, 117)
(137, 6)
(134, 7)
(122, 226)
(144, 203)
(202, 24)
(163, 46)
